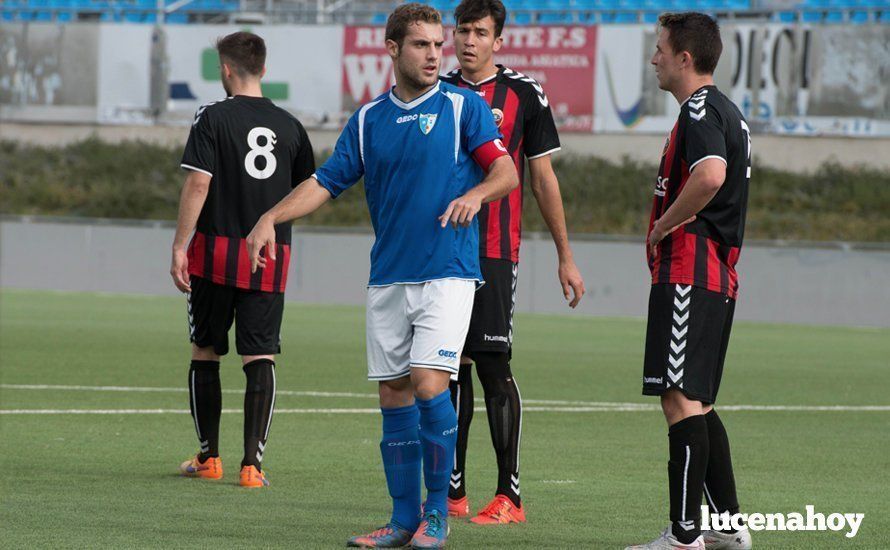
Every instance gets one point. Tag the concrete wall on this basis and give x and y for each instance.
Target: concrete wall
(786, 284)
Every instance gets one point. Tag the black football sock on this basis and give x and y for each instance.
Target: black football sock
(205, 402)
(504, 406)
(462, 399)
(719, 479)
(259, 401)
(686, 475)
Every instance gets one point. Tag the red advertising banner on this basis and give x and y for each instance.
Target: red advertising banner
(561, 59)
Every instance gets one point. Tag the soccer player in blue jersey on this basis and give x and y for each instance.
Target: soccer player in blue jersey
(431, 155)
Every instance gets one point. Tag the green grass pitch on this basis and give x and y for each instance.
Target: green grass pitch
(592, 479)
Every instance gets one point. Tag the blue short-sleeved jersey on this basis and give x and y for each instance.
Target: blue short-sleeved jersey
(416, 158)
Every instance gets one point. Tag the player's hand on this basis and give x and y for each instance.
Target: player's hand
(461, 210)
(571, 280)
(179, 270)
(659, 233)
(261, 236)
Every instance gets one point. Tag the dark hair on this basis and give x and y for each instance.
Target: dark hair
(697, 34)
(407, 14)
(245, 52)
(474, 10)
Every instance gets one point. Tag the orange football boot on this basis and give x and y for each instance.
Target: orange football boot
(251, 477)
(458, 508)
(209, 469)
(499, 511)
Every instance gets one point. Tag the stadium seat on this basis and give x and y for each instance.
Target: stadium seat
(177, 18)
(555, 18)
(379, 18)
(522, 18)
(625, 17)
(834, 17)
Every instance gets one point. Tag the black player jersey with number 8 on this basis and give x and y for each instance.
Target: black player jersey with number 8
(255, 153)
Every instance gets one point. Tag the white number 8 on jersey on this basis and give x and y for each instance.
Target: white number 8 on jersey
(264, 151)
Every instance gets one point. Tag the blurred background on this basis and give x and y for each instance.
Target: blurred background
(96, 98)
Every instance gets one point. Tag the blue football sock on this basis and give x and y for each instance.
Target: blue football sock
(401, 452)
(438, 435)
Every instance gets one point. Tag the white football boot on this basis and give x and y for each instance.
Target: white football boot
(716, 540)
(667, 541)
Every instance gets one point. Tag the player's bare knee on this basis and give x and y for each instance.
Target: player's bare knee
(428, 383)
(396, 393)
(677, 406)
(204, 354)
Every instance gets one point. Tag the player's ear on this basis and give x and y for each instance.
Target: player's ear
(392, 47)
(263, 72)
(498, 42)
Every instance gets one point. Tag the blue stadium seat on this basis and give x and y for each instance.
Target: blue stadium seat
(811, 17)
(555, 18)
(786, 17)
(522, 18)
(177, 18)
(650, 17)
(859, 17)
(625, 17)
(884, 17)
(834, 17)
(379, 19)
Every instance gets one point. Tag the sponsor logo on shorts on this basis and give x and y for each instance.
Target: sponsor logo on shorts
(447, 354)
(450, 431)
(653, 380)
(503, 339)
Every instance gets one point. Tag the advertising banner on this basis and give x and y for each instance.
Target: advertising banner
(302, 67)
(561, 59)
(803, 82)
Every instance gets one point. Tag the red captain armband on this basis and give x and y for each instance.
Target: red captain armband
(489, 152)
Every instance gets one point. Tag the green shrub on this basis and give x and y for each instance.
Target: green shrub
(138, 180)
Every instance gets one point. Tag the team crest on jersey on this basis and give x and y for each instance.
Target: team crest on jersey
(498, 116)
(427, 122)
(667, 143)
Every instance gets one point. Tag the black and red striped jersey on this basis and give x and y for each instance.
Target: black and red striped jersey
(704, 252)
(522, 112)
(255, 152)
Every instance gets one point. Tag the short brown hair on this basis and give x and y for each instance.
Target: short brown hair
(474, 10)
(697, 34)
(406, 15)
(245, 52)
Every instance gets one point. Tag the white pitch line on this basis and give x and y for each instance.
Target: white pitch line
(556, 405)
(376, 411)
(152, 389)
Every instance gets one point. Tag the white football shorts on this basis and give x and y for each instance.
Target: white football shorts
(417, 325)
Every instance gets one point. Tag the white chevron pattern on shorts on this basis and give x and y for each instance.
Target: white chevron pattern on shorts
(188, 302)
(677, 353)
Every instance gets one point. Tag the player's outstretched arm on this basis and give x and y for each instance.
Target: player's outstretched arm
(706, 179)
(191, 201)
(303, 200)
(500, 180)
(545, 187)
